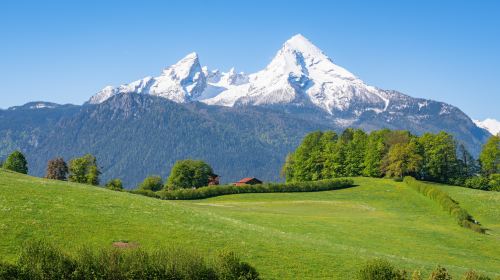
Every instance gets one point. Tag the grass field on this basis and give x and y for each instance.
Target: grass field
(284, 235)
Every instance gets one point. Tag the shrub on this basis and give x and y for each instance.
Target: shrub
(447, 203)
(416, 275)
(440, 273)
(477, 182)
(494, 182)
(211, 191)
(8, 271)
(115, 185)
(16, 162)
(151, 183)
(380, 270)
(472, 275)
(39, 260)
(228, 266)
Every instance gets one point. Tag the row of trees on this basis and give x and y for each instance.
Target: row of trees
(184, 174)
(433, 157)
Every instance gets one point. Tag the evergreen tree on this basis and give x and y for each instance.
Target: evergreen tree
(16, 162)
(490, 156)
(57, 169)
(467, 165)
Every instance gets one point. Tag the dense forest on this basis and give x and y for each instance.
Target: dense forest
(393, 153)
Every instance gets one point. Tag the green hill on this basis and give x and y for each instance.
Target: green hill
(284, 235)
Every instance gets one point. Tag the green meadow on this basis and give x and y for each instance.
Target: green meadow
(318, 235)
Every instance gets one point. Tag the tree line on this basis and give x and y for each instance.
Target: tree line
(85, 170)
(393, 153)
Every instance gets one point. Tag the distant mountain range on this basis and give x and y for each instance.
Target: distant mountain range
(244, 125)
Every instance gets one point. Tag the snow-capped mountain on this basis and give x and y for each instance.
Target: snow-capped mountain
(302, 74)
(492, 125)
(182, 82)
(304, 81)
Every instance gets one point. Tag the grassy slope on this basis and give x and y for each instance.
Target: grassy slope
(295, 235)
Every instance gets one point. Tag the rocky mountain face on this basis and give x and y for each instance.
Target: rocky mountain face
(244, 125)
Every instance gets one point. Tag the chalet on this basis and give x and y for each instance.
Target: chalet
(247, 181)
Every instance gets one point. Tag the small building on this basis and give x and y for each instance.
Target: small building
(247, 181)
(213, 180)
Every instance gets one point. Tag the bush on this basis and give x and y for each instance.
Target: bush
(8, 271)
(440, 273)
(494, 182)
(211, 191)
(472, 275)
(477, 182)
(380, 270)
(151, 183)
(38, 260)
(228, 266)
(115, 185)
(447, 203)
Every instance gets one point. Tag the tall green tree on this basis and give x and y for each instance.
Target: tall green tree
(375, 151)
(467, 165)
(440, 156)
(402, 159)
(490, 156)
(306, 163)
(189, 174)
(16, 162)
(84, 170)
(355, 153)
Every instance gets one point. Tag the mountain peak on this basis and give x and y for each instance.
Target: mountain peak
(302, 44)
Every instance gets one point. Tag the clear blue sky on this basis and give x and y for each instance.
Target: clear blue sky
(65, 51)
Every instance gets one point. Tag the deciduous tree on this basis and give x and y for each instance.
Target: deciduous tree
(57, 169)
(16, 162)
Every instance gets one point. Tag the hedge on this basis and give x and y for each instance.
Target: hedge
(464, 219)
(40, 260)
(211, 191)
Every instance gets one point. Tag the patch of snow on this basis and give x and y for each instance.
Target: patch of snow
(492, 125)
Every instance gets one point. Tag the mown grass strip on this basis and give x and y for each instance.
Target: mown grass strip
(212, 191)
(464, 219)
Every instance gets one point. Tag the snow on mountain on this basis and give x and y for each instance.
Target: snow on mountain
(182, 82)
(36, 105)
(492, 125)
(301, 73)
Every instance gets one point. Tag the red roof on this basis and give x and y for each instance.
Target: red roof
(245, 180)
